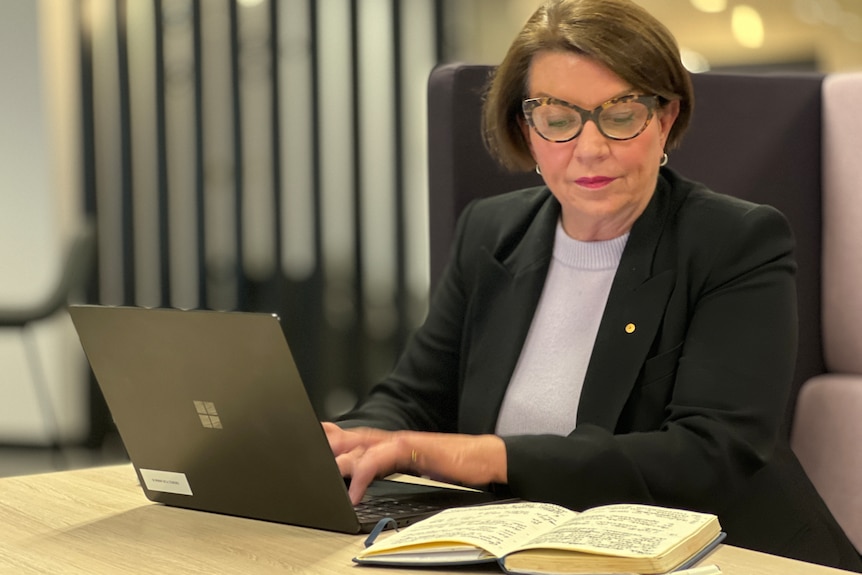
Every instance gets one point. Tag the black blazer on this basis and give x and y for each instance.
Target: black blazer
(687, 385)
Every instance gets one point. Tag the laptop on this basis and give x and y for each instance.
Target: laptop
(214, 417)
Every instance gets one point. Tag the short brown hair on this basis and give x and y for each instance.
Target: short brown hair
(621, 35)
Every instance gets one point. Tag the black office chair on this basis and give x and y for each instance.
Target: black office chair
(77, 267)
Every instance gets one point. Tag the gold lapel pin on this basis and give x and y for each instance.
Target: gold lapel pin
(630, 328)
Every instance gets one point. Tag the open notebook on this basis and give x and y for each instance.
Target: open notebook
(214, 417)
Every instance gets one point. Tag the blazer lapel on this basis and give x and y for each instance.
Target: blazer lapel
(636, 305)
(507, 296)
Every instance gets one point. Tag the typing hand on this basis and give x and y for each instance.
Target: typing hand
(364, 454)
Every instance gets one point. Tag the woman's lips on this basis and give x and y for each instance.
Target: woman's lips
(594, 182)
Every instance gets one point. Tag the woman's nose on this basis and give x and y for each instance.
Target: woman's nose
(590, 142)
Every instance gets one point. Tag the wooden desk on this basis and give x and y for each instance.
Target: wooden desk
(96, 521)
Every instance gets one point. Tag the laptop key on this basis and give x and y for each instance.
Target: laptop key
(379, 508)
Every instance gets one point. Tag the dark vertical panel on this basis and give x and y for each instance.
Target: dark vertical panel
(162, 155)
(128, 237)
(200, 198)
(100, 418)
(304, 301)
(88, 137)
(242, 295)
(315, 144)
(359, 207)
(276, 122)
(399, 213)
(440, 31)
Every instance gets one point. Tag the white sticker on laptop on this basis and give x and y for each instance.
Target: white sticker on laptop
(166, 481)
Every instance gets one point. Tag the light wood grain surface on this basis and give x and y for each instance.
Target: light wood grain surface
(96, 521)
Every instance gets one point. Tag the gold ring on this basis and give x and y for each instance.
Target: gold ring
(413, 456)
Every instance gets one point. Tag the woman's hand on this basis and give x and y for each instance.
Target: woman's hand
(364, 454)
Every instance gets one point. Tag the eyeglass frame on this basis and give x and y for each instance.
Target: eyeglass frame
(649, 100)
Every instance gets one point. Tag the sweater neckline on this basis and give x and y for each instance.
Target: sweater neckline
(595, 255)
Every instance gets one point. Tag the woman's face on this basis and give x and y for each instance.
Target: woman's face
(603, 185)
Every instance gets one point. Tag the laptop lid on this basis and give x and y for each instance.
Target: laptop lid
(214, 416)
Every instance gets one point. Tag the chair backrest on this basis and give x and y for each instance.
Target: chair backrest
(752, 136)
(827, 429)
(459, 167)
(78, 261)
(842, 212)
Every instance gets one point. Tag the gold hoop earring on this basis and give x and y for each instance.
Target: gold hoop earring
(663, 160)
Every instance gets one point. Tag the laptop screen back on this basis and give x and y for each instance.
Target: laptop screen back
(213, 414)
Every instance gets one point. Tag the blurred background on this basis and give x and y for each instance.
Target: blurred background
(261, 155)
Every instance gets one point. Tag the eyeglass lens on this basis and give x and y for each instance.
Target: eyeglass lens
(618, 120)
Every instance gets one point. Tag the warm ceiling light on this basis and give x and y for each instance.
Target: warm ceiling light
(694, 62)
(711, 6)
(747, 26)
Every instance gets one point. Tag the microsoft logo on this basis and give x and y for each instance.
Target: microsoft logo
(208, 414)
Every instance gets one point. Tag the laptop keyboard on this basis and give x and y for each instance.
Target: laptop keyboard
(379, 507)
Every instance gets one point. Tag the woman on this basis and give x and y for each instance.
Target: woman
(622, 334)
